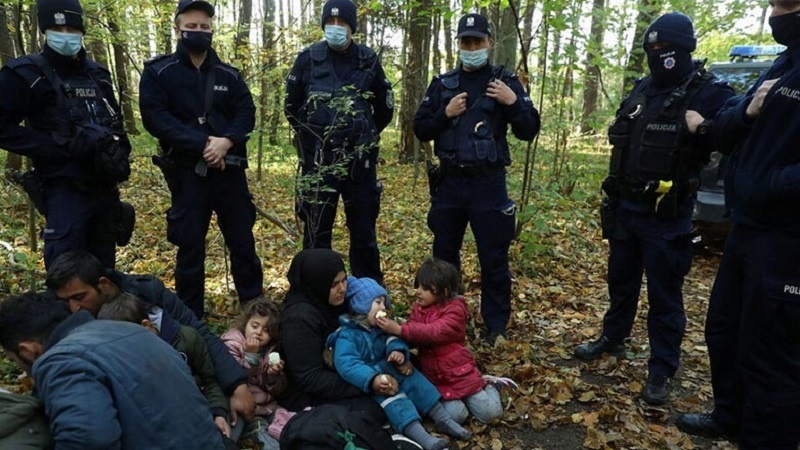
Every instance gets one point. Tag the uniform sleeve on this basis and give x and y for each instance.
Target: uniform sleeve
(350, 365)
(295, 91)
(203, 369)
(77, 401)
(383, 99)
(522, 115)
(430, 120)
(450, 327)
(244, 118)
(229, 374)
(154, 105)
(708, 103)
(304, 361)
(15, 102)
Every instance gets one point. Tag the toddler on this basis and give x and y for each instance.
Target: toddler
(377, 363)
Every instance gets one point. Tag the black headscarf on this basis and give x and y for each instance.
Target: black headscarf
(311, 275)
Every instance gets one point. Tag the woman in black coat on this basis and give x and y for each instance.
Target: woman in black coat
(317, 284)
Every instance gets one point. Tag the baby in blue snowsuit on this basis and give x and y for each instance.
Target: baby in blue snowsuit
(377, 363)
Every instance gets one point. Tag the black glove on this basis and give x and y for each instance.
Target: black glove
(88, 139)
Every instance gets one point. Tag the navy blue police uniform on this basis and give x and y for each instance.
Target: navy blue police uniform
(172, 99)
(752, 327)
(473, 152)
(71, 116)
(646, 220)
(338, 103)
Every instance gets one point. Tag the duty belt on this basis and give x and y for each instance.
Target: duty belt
(469, 171)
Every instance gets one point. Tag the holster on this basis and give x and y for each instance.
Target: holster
(434, 177)
(33, 185)
(608, 217)
(126, 221)
(170, 171)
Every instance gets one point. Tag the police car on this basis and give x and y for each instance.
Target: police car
(747, 63)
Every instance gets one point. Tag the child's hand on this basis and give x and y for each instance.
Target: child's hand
(222, 425)
(389, 326)
(252, 344)
(406, 368)
(384, 384)
(396, 357)
(275, 369)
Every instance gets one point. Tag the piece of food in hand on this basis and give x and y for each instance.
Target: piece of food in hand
(384, 378)
(380, 314)
(274, 358)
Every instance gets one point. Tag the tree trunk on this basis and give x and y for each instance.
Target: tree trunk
(123, 83)
(415, 77)
(7, 52)
(505, 39)
(242, 39)
(527, 24)
(31, 25)
(449, 58)
(648, 12)
(435, 50)
(594, 49)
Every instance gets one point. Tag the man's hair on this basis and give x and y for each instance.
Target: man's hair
(71, 265)
(263, 307)
(440, 277)
(29, 317)
(125, 307)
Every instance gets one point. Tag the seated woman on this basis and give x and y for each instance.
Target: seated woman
(311, 310)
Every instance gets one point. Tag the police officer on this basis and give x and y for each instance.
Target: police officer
(73, 135)
(466, 112)
(752, 327)
(201, 111)
(654, 171)
(338, 101)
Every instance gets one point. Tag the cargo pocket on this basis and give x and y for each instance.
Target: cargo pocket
(781, 332)
(174, 227)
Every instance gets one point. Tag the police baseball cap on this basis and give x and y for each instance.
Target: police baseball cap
(56, 13)
(185, 5)
(474, 25)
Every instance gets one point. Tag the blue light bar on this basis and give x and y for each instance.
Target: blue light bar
(751, 51)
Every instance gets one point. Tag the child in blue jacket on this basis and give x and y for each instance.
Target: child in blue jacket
(378, 363)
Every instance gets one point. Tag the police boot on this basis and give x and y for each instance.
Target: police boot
(595, 349)
(657, 390)
(701, 424)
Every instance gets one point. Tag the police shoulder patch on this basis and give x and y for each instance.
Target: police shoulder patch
(156, 59)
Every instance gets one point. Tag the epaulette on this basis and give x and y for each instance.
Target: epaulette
(20, 62)
(157, 58)
(96, 66)
(448, 74)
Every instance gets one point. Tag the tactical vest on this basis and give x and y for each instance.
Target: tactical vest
(652, 145)
(338, 112)
(478, 136)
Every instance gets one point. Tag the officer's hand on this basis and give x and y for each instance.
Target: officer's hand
(457, 106)
(242, 404)
(693, 119)
(215, 151)
(754, 108)
(501, 92)
(89, 138)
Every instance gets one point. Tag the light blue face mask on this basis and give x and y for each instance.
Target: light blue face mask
(67, 44)
(473, 59)
(336, 36)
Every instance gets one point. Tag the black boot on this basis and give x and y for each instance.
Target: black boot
(700, 425)
(657, 390)
(595, 349)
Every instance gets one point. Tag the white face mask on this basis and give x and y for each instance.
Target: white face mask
(336, 36)
(473, 59)
(66, 44)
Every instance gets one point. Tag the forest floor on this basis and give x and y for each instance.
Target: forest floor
(559, 297)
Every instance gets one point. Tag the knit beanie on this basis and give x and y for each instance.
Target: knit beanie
(675, 28)
(345, 9)
(361, 292)
(57, 13)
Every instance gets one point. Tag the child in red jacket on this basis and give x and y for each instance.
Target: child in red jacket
(438, 328)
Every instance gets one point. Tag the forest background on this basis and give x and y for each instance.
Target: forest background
(576, 58)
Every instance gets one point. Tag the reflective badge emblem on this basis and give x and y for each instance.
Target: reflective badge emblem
(652, 38)
(390, 100)
(59, 18)
(669, 63)
(470, 21)
(335, 11)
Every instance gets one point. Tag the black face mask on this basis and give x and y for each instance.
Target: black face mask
(785, 28)
(669, 65)
(196, 41)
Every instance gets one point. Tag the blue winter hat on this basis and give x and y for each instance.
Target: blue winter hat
(340, 8)
(675, 28)
(54, 13)
(361, 292)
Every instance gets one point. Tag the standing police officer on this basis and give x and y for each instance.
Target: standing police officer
(74, 136)
(466, 113)
(752, 326)
(201, 111)
(338, 101)
(654, 171)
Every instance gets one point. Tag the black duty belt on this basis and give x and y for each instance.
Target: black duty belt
(470, 171)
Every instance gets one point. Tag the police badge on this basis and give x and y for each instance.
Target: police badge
(652, 38)
(334, 11)
(59, 18)
(470, 22)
